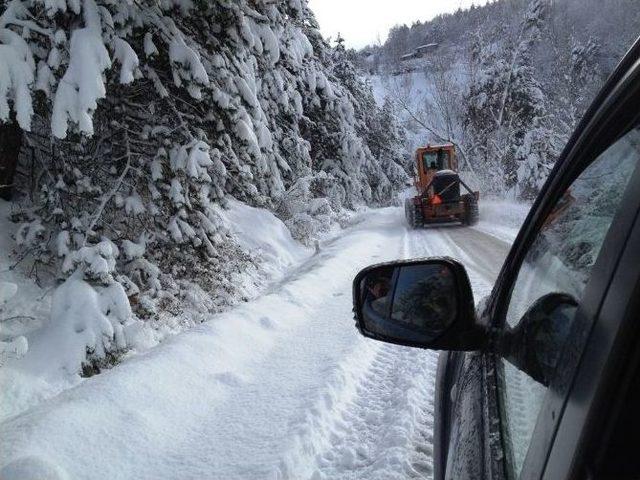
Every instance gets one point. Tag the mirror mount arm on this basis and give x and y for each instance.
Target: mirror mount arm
(479, 338)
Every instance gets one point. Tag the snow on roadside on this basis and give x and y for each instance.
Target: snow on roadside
(262, 234)
(58, 337)
(186, 403)
(502, 218)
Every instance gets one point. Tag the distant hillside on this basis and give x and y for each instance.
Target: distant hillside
(574, 19)
(507, 81)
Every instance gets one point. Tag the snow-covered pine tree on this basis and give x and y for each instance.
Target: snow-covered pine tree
(383, 148)
(507, 120)
(342, 126)
(138, 119)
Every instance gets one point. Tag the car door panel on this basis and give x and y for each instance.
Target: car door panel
(446, 373)
(466, 432)
(584, 332)
(466, 441)
(475, 447)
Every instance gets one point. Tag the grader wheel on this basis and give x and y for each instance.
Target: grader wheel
(412, 214)
(471, 213)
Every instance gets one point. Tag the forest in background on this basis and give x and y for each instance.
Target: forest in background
(507, 82)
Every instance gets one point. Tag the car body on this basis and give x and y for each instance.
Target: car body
(557, 398)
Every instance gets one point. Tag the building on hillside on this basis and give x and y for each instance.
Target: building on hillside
(426, 49)
(420, 52)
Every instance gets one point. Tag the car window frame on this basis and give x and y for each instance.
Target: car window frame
(594, 295)
(611, 335)
(611, 115)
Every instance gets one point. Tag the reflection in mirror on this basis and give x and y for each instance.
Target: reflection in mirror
(376, 291)
(412, 303)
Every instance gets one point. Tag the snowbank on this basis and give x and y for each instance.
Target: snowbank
(265, 236)
(47, 334)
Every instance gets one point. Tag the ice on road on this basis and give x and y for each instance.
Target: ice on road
(280, 387)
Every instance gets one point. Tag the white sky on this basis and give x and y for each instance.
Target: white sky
(362, 22)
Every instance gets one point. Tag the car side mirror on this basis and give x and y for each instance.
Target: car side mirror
(535, 344)
(425, 303)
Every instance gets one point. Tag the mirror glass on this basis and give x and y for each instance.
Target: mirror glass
(412, 303)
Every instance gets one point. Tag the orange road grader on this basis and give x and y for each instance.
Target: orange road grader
(438, 184)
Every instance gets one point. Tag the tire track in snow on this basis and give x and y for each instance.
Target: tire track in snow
(327, 421)
(386, 430)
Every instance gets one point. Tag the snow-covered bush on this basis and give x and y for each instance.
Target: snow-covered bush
(79, 326)
(310, 207)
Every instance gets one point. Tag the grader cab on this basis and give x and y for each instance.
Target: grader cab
(439, 199)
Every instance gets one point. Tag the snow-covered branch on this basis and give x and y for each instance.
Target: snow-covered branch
(106, 198)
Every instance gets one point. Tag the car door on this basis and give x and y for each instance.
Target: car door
(479, 431)
(572, 244)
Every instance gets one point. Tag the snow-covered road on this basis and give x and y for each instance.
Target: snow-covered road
(279, 387)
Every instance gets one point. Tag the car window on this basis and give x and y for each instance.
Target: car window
(430, 160)
(559, 262)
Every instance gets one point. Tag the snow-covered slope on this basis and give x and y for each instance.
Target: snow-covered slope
(264, 235)
(150, 119)
(45, 359)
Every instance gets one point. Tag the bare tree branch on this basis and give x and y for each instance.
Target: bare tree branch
(112, 192)
(438, 135)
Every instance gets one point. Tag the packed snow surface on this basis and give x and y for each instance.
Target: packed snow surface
(281, 386)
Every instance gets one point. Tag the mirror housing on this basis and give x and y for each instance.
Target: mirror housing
(424, 303)
(534, 345)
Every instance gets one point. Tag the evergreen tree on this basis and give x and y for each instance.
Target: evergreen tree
(139, 119)
(507, 111)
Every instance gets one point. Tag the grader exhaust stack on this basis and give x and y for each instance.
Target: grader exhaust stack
(438, 184)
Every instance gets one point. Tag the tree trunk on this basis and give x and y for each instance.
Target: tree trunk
(10, 143)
